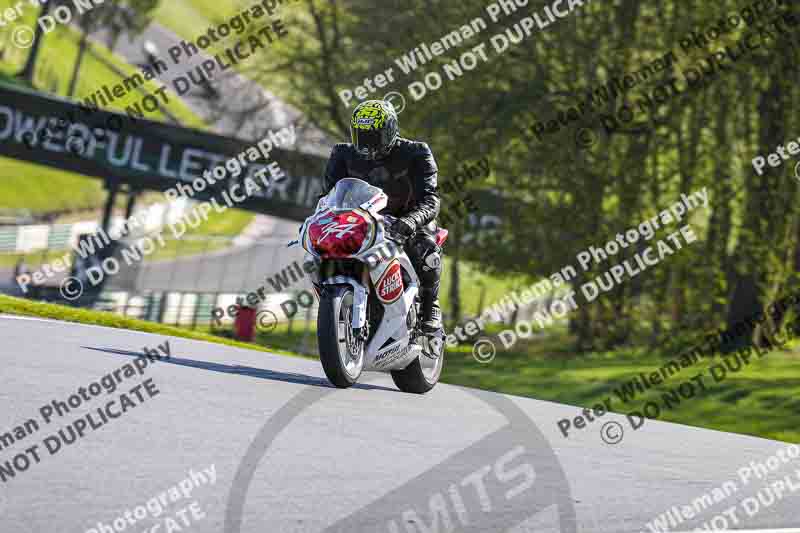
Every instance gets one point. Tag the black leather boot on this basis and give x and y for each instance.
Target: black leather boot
(431, 318)
(432, 339)
(425, 254)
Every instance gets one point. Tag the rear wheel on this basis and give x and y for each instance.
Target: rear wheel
(340, 351)
(420, 376)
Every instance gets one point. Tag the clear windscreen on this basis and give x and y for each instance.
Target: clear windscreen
(351, 193)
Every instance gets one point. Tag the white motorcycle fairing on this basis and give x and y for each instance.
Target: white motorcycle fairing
(399, 353)
(358, 262)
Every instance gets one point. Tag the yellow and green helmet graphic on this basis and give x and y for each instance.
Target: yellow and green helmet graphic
(374, 128)
(371, 115)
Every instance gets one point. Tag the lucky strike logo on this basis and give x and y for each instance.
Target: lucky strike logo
(390, 286)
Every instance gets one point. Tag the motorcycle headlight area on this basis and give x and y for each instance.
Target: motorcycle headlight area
(341, 234)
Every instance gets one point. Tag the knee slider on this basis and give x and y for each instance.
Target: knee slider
(433, 261)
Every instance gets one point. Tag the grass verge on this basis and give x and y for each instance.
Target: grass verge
(477, 289)
(32, 259)
(190, 18)
(761, 399)
(19, 306)
(34, 187)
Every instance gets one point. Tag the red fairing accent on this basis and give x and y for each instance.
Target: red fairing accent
(441, 236)
(338, 236)
(390, 286)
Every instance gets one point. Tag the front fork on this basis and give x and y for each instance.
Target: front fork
(359, 316)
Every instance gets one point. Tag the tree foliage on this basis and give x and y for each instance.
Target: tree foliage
(580, 186)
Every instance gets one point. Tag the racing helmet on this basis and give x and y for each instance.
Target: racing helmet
(374, 129)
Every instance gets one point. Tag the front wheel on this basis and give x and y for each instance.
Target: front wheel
(341, 353)
(420, 376)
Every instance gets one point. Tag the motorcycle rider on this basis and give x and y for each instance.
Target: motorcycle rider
(407, 173)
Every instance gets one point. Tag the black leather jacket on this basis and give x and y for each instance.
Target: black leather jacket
(407, 175)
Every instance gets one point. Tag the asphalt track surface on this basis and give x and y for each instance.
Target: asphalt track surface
(235, 269)
(292, 454)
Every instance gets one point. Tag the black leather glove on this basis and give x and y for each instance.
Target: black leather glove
(404, 226)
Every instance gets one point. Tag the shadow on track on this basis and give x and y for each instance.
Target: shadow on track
(260, 373)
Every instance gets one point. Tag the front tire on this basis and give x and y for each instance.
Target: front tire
(419, 379)
(342, 355)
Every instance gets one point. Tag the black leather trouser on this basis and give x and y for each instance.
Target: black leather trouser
(426, 256)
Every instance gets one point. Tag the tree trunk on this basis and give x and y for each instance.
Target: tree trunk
(30, 63)
(754, 245)
(455, 281)
(84, 42)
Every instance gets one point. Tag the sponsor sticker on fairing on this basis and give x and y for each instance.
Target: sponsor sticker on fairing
(390, 356)
(390, 285)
